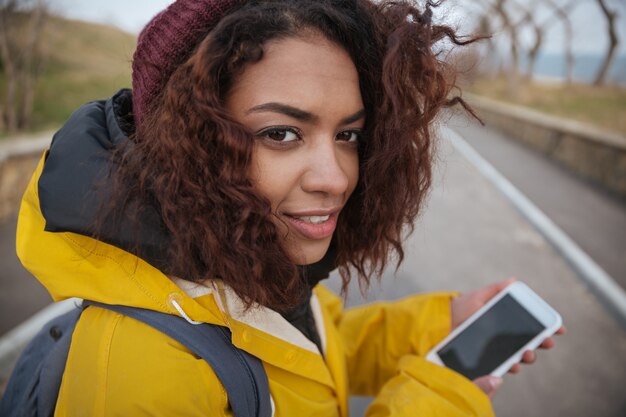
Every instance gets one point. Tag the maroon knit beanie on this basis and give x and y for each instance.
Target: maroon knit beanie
(167, 42)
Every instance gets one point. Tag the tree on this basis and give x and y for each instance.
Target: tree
(21, 26)
(512, 17)
(611, 18)
(539, 29)
(562, 12)
(510, 23)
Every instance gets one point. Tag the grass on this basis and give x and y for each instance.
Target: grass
(83, 62)
(86, 61)
(603, 107)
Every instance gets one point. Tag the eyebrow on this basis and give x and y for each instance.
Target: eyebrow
(301, 115)
(353, 118)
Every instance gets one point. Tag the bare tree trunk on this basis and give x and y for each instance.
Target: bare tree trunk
(513, 83)
(611, 17)
(530, 18)
(32, 67)
(534, 52)
(484, 30)
(562, 12)
(569, 53)
(20, 58)
(494, 10)
(507, 12)
(513, 72)
(9, 115)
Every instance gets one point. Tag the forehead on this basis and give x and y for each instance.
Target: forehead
(309, 73)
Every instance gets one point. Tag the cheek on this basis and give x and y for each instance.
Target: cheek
(273, 176)
(277, 175)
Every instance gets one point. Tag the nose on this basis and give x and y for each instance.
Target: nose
(327, 169)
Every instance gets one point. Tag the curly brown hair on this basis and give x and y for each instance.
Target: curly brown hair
(190, 157)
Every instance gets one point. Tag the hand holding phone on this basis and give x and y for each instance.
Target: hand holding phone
(496, 336)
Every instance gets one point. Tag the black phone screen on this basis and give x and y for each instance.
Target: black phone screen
(492, 339)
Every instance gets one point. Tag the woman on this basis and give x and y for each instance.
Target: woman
(264, 144)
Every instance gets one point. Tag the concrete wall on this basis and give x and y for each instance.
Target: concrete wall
(591, 153)
(18, 160)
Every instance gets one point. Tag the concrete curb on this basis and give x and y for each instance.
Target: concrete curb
(603, 285)
(23, 147)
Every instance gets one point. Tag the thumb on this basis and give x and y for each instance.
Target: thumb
(494, 289)
(488, 384)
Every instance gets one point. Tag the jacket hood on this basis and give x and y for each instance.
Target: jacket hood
(56, 224)
(75, 189)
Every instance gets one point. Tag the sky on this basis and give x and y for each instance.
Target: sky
(129, 15)
(132, 15)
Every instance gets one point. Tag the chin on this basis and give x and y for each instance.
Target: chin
(311, 252)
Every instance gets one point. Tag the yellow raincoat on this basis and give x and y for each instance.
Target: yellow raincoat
(120, 367)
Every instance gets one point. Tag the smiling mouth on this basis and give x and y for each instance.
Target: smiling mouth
(311, 219)
(313, 227)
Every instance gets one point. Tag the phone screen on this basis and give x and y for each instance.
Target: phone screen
(491, 339)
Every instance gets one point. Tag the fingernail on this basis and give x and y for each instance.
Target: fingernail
(495, 382)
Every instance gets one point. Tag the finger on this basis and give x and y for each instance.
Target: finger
(550, 342)
(529, 357)
(515, 368)
(509, 281)
(547, 344)
(488, 384)
(503, 284)
(490, 291)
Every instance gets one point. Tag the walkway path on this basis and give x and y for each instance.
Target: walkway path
(594, 219)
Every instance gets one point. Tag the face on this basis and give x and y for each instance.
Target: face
(304, 105)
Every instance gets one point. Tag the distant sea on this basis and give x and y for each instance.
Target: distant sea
(586, 66)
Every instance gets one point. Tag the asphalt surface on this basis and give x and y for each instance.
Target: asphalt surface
(470, 236)
(592, 217)
(21, 295)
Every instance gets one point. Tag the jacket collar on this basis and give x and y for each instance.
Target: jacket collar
(264, 332)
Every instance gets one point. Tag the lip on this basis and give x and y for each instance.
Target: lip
(313, 231)
(313, 212)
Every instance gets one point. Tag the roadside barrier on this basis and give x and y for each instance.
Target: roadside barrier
(584, 149)
(18, 159)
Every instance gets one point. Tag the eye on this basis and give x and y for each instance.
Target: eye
(349, 136)
(279, 134)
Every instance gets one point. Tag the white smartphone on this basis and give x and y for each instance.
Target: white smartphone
(495, 337)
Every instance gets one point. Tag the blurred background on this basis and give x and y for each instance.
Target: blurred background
(537, 192)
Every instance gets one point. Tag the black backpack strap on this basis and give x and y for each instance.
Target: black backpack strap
(36, 378)
(241, 374)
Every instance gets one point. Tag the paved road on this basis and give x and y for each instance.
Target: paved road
(21, 295)
(593, 218)
(470, 236)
